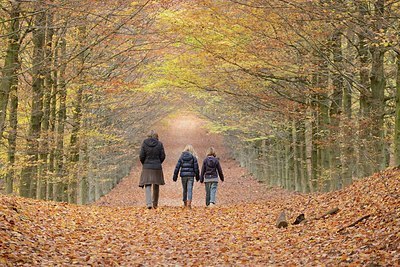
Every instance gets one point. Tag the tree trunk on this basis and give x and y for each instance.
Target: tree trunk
(29, 172)
(12, 135)
(378, 83)
(8, 89)
(314, 163)
(58, 185)
(397, 116)
(290, 157)
(304, 176)
(11, 63)
(296, 154)
(47, 90)
(335, 111)
(53, 121)
(76, 121)
(365, 95)
(310, 154)
(324, 150)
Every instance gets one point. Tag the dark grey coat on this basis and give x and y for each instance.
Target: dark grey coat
(152, 154)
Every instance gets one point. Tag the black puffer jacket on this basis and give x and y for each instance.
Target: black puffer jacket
(188, 165)
(152, 154)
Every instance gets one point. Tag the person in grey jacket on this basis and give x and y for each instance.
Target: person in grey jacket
(152, 155)
(189, 169)
(210, 172)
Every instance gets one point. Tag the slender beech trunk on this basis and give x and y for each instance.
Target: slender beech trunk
(58, 185)
(304, 177)
(12, 135)
(335, 111)
(42, 188)
(347, 138)
(296, 167)
(324, 149)
(76, 121)
(397, 116)
(53, 121)
(288, 173)
(11, 63)
(290, 158)
(8, 89)
(365, 95)
(29, 172)
(310, 147)
(378, 83)
(320, 129)
(315, 168)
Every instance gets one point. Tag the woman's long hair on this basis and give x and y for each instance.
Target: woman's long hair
(190, 149)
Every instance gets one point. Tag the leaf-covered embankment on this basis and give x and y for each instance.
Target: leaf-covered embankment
(35, 232)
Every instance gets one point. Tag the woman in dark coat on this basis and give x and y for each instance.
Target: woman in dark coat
(152, 156)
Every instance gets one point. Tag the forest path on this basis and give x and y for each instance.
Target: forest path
(176, 132)
(119, 231)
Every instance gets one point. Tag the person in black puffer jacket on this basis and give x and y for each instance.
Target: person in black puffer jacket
(189, 169)
(152, 155)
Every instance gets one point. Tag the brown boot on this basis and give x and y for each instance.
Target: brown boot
(185, 204)
(189, 204)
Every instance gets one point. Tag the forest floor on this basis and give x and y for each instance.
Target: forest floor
(241, 230)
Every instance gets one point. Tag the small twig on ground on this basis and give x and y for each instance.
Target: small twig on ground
(354, 223)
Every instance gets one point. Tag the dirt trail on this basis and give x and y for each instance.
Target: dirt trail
(235, 233)
(175, 132)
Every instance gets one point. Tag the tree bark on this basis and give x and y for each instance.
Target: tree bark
(29, 172)
(53, 121)
(76, 121)
(336, 111)
(8, 90)
(58, 185)
(329, 212)
(12, 135)
(378, 83)
(11, 63)
(304, 176)
(282, 221)
(365, 94)
(397, 116)
(296, 156)
(42, 188)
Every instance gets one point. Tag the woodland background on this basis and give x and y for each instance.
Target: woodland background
(306, 92)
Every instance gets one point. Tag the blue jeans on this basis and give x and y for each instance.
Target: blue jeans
(187, 186)
(211, 192)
